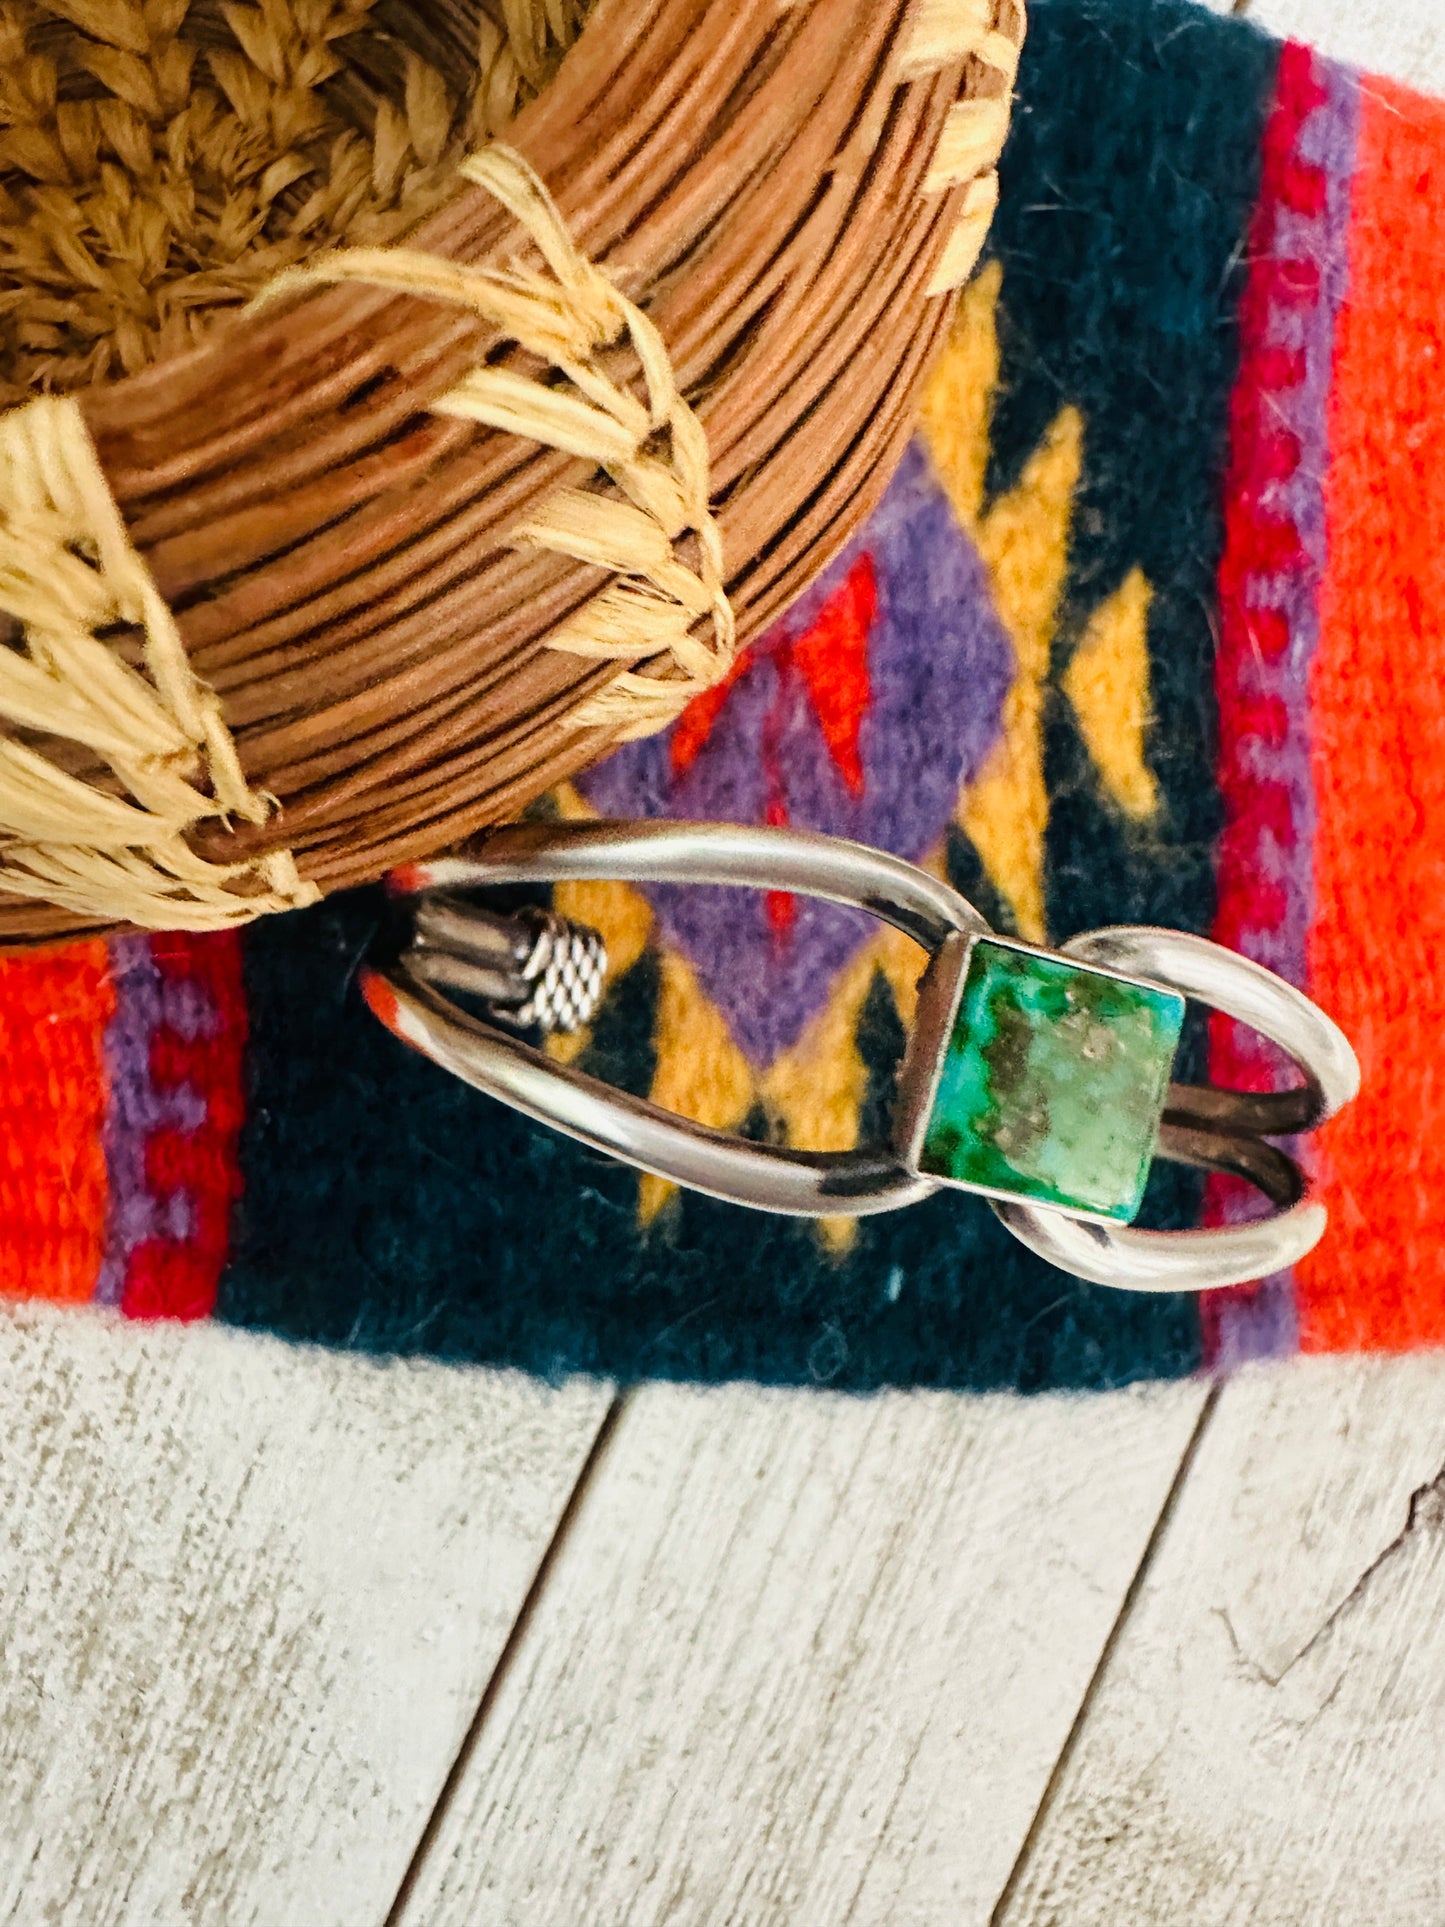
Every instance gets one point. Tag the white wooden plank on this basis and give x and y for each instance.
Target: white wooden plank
(1265, 1742)
(1402, 38)
(249, 1596)
(803, 1659)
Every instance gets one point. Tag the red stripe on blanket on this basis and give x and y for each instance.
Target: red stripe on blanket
(1269, 589)
(197, 1048)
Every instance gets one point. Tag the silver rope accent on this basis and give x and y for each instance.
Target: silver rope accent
(533, 970)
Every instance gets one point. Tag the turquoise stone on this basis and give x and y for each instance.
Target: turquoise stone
(1053, 1082)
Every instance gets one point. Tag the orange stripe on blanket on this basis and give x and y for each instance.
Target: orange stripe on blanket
(1377, 948)
(53, 1191)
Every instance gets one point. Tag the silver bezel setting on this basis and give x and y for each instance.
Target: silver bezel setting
(940, 992)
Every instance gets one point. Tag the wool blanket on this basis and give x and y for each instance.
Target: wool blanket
(1150, 627)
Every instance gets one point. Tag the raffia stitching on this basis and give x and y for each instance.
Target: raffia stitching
(208, 147)
(655, 452)
(70, 576)
(71, 579)
(989, 35)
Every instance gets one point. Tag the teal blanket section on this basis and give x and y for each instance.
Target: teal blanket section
(387, 1207)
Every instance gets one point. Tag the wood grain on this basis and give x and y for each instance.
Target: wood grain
(804, 1659)
(249, 1597)
(1264, 1746)
(1402, 38)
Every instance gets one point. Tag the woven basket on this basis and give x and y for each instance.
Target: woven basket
(787, 194)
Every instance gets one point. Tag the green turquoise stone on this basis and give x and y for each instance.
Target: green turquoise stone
(1053, 1082)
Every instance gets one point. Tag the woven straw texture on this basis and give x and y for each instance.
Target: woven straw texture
(417, 600)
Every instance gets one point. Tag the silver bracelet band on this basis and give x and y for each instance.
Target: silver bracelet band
(1100, 1004)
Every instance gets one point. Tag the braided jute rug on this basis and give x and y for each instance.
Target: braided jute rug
(1147, 628)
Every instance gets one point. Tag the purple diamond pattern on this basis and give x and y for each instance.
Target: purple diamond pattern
(939, 667)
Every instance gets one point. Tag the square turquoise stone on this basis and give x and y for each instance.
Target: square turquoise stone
(1053, 1082)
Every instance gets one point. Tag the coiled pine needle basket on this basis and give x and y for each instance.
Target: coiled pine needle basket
(405, 407)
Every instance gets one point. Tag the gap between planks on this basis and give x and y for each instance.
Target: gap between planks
(1116, 1631)
(426, 1842)
(800, 1656)
(1263, 1746)
(250, 1594)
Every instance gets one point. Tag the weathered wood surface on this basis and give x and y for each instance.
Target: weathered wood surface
(1265, 1747)
(249, 1597)
(804, 1659)
(1402, 38)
